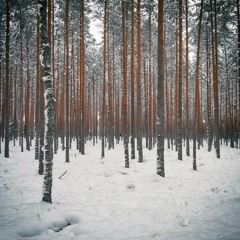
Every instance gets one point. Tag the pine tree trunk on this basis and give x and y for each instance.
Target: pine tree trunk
(55, 82)
(215, 76)
(49, 103)
(67, 128)
(37, 89)
(209, 104)
(238, 46)
(21, 127)
(215, 84)
(168, 125)
(41, 106)
(139, 97)
(145, 78)
(82, 74)
(32, 111)
(132, 84)
(94, 109)
(176, 91)
(15, 108)
(180, 85)
(124, 104)
(113, 89)
(7, 88)
(150, 110)
(41, 123)
(27, 104)
(160, 94)
(1, 105)
(154, 109)
(150, 145)
(197, 97)
(187, 88)
(110, 98)
(104, 79)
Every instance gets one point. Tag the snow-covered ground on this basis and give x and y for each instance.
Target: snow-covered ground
(98, 199)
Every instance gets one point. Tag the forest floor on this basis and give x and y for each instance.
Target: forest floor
(98, 199)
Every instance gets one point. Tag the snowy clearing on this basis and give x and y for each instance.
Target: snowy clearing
(98, 199)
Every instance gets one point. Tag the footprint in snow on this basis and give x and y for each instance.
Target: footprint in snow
(6, 187)
(215, 190)
(130, 186)
(183, 222)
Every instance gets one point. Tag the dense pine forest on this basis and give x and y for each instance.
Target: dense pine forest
(160, 71)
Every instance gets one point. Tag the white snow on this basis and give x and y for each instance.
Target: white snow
(98, 199)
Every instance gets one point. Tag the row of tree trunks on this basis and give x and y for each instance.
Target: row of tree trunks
(74, 115)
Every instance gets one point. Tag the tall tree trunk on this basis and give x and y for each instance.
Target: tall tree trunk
(41, 108)
(73, 91)
(160, 94)
(61, 117)
(1, 107)
(150, 104)
(41, 123)
(124, 104)
(179, 125)
(176, 90)
(82, 74)
(94, 108)
(145, 79)
(67, 128)
(37, 88)
(215, 75)
(168, 106)
(110, 97)
(209, 104)
(113, 88)
(15, 108)
(32, 112)
(132, 84)
(139, 97)
(215, 84)
(55, 80)
(197, 96)
(21, 127)
(7, 89)
(187, 88)
(238, 46)
(49, 103)
(27, 103)
(104, 79)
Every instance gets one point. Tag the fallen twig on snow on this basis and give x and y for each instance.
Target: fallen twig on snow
(63, 174)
